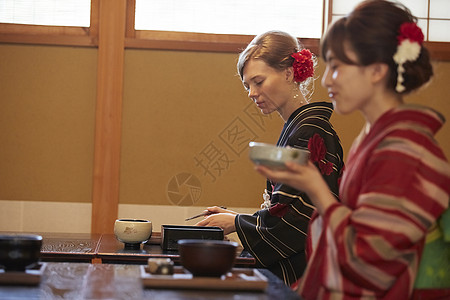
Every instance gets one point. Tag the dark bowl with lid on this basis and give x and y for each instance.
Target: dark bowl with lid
(19, 251)
(207, 258)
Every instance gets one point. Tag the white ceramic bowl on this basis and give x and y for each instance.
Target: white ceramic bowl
(275, 157)
(133, 232)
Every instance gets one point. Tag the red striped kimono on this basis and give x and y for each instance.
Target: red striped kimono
(395, 186)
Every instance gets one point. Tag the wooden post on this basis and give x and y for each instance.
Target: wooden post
(105, 190)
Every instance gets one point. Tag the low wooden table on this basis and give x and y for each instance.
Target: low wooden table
(80, 247)
(105, 248)
(122, 281)
(110, 250)
(70, 247)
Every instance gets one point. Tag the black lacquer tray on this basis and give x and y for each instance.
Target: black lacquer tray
(171, 234)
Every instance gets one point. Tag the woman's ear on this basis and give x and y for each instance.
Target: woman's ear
(289, 74)
(380, 72)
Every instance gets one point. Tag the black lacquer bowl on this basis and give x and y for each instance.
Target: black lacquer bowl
(208, 258)
(18, 251)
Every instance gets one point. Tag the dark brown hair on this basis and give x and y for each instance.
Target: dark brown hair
(370, 31)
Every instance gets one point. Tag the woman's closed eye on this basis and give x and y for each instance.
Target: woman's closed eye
(333, 66)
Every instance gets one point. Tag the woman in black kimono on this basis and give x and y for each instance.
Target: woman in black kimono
(277, 74)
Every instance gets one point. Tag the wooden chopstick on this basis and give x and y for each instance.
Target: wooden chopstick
(206, 213)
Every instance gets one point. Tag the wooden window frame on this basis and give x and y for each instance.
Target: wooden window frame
(54, 35)
(149, 39)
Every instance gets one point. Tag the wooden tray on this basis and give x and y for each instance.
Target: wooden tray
(31, 276)
(236, 279)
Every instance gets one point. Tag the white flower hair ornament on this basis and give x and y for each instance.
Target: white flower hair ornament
(410, 41)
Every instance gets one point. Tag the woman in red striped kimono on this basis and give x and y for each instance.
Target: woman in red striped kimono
(276, 71)
(397, 178)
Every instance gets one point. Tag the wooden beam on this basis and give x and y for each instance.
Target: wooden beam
(93, 28)
(105, 190)
(129, 29)
(45, 35)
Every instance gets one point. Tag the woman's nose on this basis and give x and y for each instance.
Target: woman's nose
(251, 93)
(326, 78)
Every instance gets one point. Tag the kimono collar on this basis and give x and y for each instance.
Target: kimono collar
(316, 109)
(324, 109)
(423, 116)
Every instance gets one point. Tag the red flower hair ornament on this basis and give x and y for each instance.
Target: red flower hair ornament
(303, 65)
(410, 41)
(318, 150)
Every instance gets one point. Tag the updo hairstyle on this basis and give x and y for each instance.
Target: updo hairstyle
(275, 49)
(371, 32)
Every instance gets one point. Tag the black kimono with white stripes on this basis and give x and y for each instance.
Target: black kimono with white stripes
(276, 236)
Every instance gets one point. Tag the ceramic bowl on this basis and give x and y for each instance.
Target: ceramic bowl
(275, 157)
(207, 258)
(133, 232)
(18, 251)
